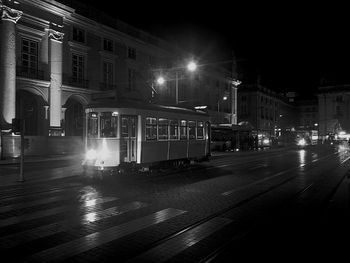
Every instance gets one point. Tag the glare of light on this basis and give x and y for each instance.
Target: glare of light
(160, 80)
(115, 113)
(224, 98)
(192, 66)
(342, 148)
(341, 133)
(90, 217)
(302, 157)
(266, 141)
(236, 82)
(302, 142)
(316, 124)
(91, 202)
(104, 153)
(91, 154)
(200, 107)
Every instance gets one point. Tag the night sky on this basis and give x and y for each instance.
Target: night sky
(291, 46)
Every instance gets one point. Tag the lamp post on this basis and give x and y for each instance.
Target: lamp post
(223, 98)
(191, 66)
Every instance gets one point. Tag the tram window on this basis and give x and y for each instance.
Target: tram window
(108, 125)
(163, 129)
(200, 130)
(124, 124)
(183, 130)
(192, 130)
(174, 129)
(92, 124)
(151, 128)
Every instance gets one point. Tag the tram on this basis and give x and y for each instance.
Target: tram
(142, 135)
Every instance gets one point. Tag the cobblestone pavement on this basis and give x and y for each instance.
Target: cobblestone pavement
(179, 215)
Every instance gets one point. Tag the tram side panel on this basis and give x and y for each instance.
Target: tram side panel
(154, 151)
(178, 149)
(196, 149)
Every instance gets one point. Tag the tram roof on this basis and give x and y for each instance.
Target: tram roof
(234, 127)
(144, 106)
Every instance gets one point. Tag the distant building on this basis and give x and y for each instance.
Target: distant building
(333, 109)
(269, 113)
(308, 113)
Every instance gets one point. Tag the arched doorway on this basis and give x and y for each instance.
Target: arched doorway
(74, 118)
(30, 108)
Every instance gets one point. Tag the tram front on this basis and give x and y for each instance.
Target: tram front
(101, 139)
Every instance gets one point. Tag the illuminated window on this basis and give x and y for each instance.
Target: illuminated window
(108, 125)
(107, 73)
(183, 130)
(151, 128)
(163, 129)
(92, 124)
(200, 130)
(77, 67)
(192, 130)
(29, 55)
(174, 129)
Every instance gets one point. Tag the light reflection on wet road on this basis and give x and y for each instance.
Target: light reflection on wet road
(105, 211)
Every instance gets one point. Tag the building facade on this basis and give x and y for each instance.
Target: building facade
(56, 57)
(268, 113)
(308, 114)
(333, 110)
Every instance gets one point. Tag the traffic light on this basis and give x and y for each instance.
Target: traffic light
(16, 125)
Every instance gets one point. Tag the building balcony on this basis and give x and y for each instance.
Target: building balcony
(107, 86)
(30, 73)
(76, 82)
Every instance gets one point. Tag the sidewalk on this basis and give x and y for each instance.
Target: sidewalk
(34, 159)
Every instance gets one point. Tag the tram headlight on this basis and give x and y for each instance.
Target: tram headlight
(302, 142)
(266, 141)
(91, 154)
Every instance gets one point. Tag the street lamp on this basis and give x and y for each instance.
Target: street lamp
(160, 80)
(223, 98)
(191, 66)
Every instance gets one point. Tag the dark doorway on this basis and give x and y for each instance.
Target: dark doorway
(74, 118)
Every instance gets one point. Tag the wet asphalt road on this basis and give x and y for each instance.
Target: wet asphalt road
(239, 205)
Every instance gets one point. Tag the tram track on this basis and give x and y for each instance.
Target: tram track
(324, 206)
(221, 214)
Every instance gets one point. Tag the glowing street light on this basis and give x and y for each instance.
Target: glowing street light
(160, 80)
(191, 66)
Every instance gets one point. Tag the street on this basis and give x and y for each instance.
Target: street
(238, 205)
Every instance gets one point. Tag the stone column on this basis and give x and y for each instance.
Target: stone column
(9, 18)
(63, 121)
(55, 63)
(234, 87)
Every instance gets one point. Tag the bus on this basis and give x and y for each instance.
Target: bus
(230, 137)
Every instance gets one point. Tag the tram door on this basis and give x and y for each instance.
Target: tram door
(128, 138)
